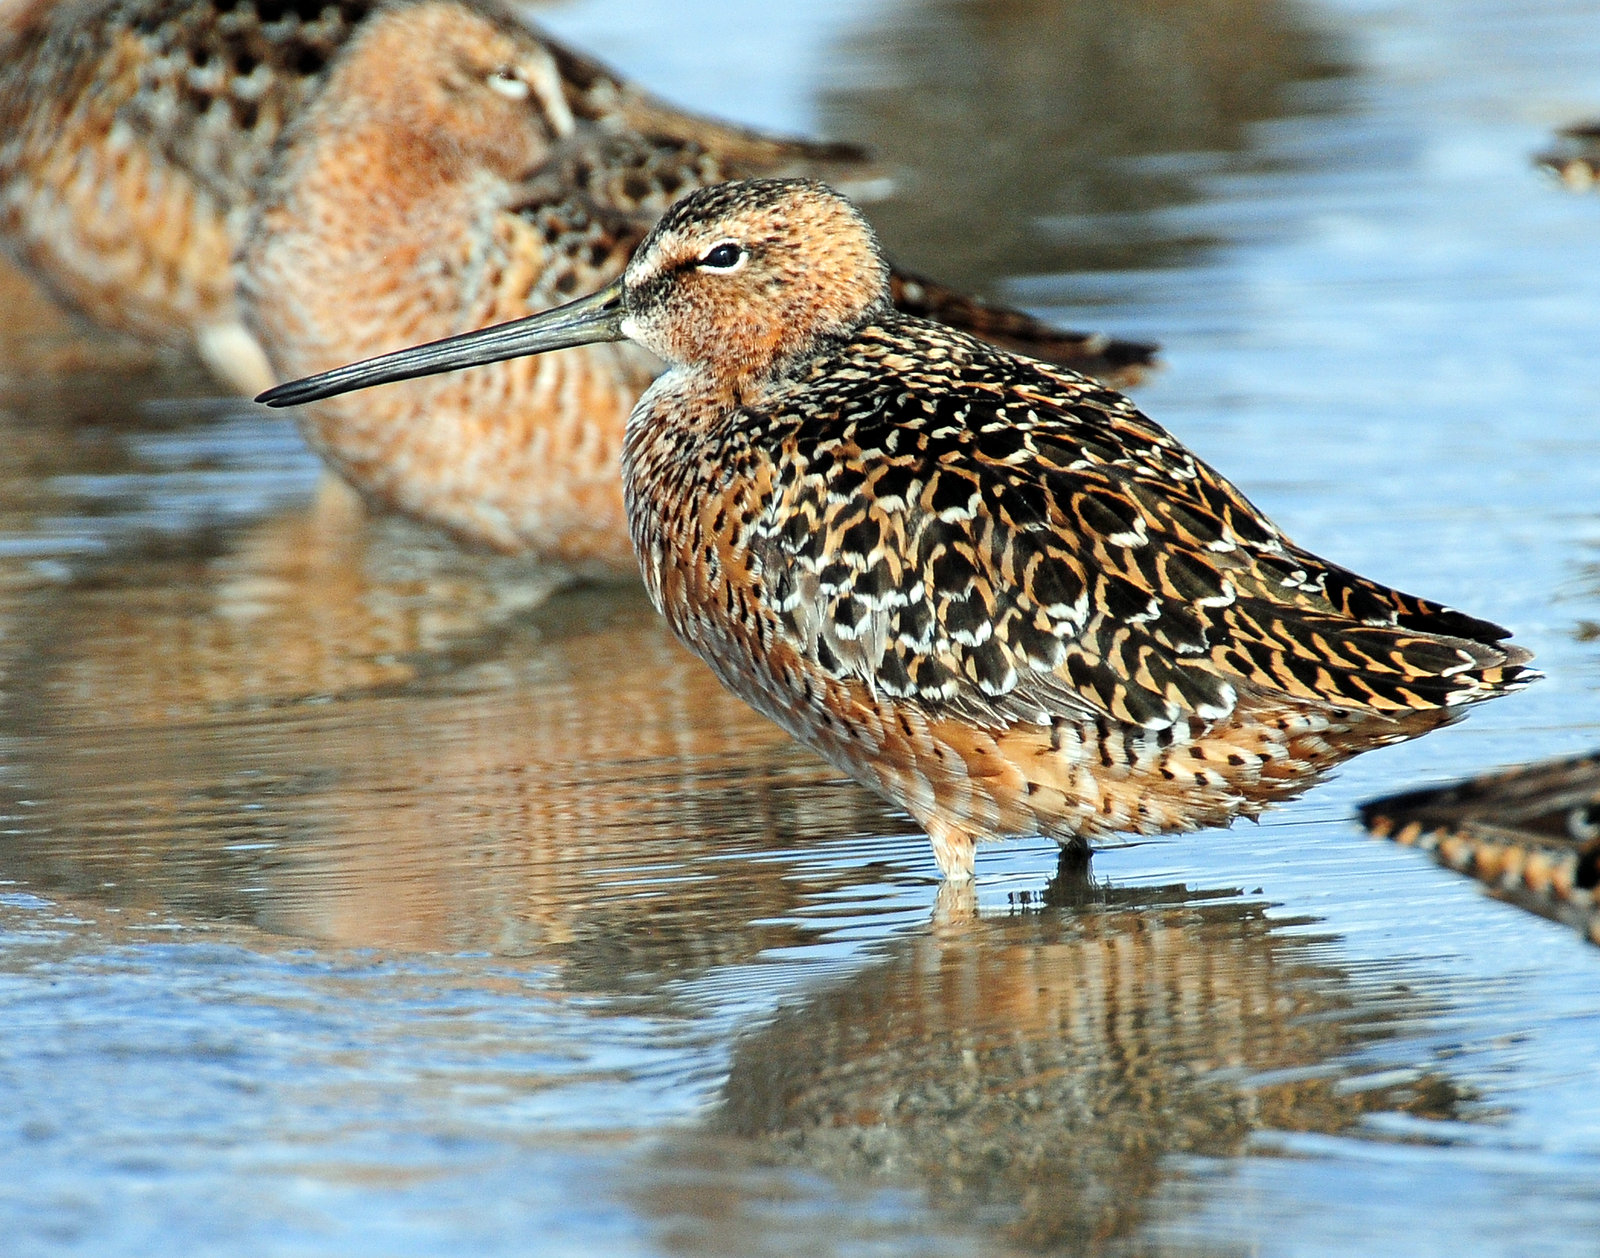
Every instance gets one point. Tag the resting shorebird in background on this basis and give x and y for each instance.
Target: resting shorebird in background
(989, 588)
(391, 174)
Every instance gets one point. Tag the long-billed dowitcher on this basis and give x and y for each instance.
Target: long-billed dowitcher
(439, 166)
(987, 587)
(1531, 834)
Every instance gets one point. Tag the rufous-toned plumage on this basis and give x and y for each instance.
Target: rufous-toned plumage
(988, 587)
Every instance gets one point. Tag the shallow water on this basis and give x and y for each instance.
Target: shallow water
(362, 897)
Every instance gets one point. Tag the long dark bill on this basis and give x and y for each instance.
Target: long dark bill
(582, 322)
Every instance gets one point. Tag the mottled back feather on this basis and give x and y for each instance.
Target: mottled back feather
(993, 538)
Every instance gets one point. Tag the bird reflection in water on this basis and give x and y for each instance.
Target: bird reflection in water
(311, 735)
(1044, 1071)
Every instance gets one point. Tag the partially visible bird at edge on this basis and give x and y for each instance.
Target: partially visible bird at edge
(382, 175)
(983, 585)
(1575, 161)
(1531, 834)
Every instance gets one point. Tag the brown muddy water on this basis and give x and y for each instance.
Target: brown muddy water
(362, 897)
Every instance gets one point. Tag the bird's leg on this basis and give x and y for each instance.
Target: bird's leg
(953, 847)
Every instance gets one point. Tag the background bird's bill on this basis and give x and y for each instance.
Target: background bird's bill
(597, 317)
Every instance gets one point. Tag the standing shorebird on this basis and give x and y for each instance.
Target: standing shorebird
(988, 588)
(386, 174)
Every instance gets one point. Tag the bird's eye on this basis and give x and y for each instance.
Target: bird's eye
(509, 83)
(727, 256)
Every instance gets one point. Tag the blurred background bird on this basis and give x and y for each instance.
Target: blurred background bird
(1575, 160)
(387, 174)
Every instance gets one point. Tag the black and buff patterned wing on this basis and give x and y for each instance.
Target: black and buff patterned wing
(1531, 834)
(1009, 543)
(1118, 362)
(1554, 803)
